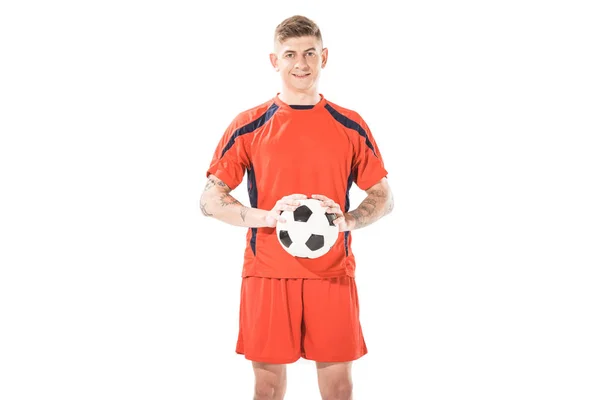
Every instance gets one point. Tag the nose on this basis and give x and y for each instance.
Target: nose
(301, 63)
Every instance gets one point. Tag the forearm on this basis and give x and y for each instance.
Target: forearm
(226, 208)
(376, 205)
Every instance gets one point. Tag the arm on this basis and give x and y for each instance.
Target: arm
(218, 203)
(378, 203)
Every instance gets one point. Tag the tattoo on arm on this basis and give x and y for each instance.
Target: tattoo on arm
(210, 183)
(364, 212)
(215, 182)
(223, 196)
(377, 193)
(371, 208)
(243, 212)
(203, 208)
(227, 200)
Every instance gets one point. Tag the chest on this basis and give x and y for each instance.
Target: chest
(306, 143)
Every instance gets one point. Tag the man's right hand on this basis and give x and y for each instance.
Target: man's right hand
(286, 203)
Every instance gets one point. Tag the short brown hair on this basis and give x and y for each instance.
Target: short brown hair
(297, 26)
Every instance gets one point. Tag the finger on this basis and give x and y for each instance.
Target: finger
(334, 210)
(325, 201)
(289, 205)
(338, 220)
(285, 207)
(286, 202)
(296, 196)
(330, 204)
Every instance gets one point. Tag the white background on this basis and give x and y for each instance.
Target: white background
(482, 284)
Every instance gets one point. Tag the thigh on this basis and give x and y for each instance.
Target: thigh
(332, 330)
(270, 320)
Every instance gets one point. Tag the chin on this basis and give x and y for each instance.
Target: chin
(306, 86)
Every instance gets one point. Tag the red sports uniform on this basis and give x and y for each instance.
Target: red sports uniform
(287, 149)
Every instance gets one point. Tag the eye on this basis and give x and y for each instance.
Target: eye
(311, 54)
(289, 55)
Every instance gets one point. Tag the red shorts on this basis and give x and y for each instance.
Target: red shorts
(282, 320)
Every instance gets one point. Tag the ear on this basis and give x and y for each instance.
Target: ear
(274, 61)
(324, 56)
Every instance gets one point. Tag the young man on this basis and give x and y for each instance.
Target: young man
(295, 146)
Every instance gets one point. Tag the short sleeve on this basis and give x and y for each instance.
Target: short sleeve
(230, 159)
(367, 164)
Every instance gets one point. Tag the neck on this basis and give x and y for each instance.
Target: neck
(300, 98)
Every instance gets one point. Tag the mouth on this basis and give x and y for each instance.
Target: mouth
(304, 76)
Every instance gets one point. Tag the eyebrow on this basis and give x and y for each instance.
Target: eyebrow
(292, 51)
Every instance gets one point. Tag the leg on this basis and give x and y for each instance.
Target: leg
(335, 380)
(270, 381)
(332, 333)
(270, 331)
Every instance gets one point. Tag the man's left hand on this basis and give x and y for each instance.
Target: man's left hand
(334, 208)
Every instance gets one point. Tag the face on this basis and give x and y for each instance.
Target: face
(299, 62)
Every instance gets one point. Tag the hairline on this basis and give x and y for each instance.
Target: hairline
(319, 42)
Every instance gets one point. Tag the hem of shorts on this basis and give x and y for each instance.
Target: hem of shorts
(268, 360)
(338, 359)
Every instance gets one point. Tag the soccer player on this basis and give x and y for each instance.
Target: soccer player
(294, 146)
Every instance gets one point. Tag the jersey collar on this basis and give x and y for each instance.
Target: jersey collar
(299, 108)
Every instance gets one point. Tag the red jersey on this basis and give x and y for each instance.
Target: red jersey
(286, 149)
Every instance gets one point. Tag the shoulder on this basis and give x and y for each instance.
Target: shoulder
(251, 115)
(337, 110)
(348, 117)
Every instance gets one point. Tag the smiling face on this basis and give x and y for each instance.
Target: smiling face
(299, 61)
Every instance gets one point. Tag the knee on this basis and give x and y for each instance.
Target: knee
(266, 391)
(342, 390)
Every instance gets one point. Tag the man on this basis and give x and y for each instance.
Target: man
(295, 146)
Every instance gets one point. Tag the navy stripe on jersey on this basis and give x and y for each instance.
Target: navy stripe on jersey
(348, 123)
(346, 234)
(253, 195)
(348, 186)
(252, 126)
(347, 208)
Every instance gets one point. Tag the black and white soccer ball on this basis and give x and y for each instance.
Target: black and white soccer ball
(308, 231)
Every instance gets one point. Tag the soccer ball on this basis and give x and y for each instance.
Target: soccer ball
(309, 231)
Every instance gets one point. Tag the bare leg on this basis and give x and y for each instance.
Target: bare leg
(335, 380)
(270, 381)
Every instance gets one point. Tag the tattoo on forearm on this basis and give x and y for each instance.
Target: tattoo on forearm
(377, 193)
(227, 200)
(369, 205)
(243, 212)
(204, 211)
(370, 210)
